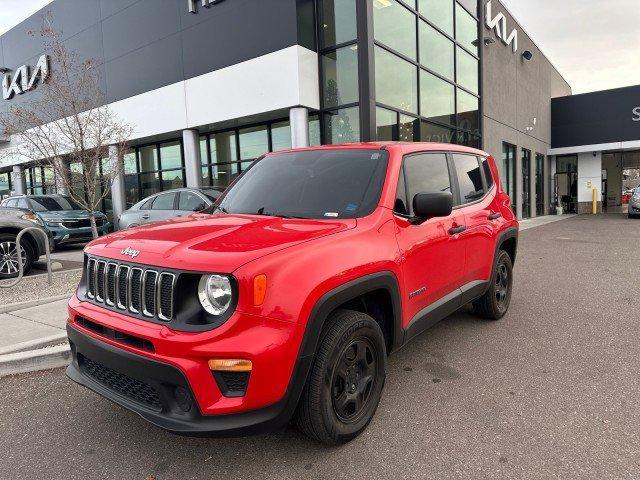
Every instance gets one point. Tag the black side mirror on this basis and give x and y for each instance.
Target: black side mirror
(430, 205)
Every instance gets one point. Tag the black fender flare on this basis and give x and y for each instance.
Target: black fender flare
(509, 233)
(331, 300)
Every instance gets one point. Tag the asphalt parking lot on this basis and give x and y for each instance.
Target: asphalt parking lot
(549, 392)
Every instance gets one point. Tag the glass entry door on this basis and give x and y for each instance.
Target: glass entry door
(507, 172)
(526, 183)
(540, 184)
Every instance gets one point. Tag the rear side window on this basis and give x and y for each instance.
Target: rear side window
(426, 173)
(469, 178)
(164, 202)
(487, 173)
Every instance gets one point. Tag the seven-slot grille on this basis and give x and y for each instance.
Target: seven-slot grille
(138, 290)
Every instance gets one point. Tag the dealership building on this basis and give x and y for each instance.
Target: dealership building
(208, 86)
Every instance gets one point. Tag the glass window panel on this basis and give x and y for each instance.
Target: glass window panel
(437, 52)
(437, 99)
(340, 77)
(206, 179)
(469, 178)
(172, 179)
(164, 202)
(130, 165)
(466, 29)
(223, 147)
(280, 136)
(314, 131)
(337, 22)
(222, 175)
(203, 151)
(170, 155)
(488, 174)
(396, 82)
(395, 26)
(253, 142)
(342, 126)
(468, 140)
(386, 125)
(467, 70)
(507, 172)
(150, 183)
(190, 202)
(430, 132)
(468, 115)
(426, 173)
(409, 129)
(438, 12)
(148, 158)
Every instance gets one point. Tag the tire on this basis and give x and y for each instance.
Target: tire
(494, 304)
(8, 257)
(345, 383)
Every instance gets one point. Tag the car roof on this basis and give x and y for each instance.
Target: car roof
(402, 147)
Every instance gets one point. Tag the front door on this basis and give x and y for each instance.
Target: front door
(433, 252)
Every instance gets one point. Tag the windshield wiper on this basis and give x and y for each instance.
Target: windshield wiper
(261, 211)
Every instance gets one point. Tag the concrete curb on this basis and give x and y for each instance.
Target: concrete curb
(44, 342)
(35, 360)
(12, 307)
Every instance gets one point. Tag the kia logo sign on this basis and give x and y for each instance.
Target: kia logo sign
(23, 81)
(193, 4)
(499, 24)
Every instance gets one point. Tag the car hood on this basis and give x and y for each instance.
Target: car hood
(212, 243)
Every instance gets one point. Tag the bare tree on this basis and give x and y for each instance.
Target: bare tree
(67, 122)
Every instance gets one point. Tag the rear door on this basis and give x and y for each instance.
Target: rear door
(433, 253)
(476, 193)
(163, 207)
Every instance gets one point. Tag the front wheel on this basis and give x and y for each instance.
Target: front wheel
(9, 256)
(346, 380)
(493, 305)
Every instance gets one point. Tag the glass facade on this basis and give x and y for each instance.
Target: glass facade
(339, 77)
(526, 183)
(540, 172)
(427, 70)
(5, 184)
(508, 171)
(40, 180)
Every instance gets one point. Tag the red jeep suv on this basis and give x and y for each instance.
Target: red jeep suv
(285, 299)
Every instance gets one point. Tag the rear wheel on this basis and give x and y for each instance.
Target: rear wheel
(9, 256)
(494, 304)
(346, 380)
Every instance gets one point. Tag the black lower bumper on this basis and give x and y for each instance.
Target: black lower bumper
(161, 394)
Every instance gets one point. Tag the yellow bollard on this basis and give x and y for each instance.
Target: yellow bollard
(594, 210)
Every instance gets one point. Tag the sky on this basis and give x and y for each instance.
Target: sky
(594, 43)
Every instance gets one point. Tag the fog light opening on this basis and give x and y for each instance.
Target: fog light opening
(183, 399)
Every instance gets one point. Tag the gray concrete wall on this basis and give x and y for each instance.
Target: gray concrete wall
(516, 91)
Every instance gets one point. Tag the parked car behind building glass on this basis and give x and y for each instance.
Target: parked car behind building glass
(165, 205)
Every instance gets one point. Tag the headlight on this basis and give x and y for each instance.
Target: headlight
(32, 217)
(215, 294)
(54, 224)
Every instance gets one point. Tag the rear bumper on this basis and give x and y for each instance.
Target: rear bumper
(155, 385)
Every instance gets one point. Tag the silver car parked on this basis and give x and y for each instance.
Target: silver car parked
(634, 204)
(169, 204)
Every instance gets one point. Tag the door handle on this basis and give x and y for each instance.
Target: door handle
(145, 216)
(495, 216)
(457, 230)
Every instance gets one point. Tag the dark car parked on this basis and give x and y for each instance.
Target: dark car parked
(12, 221)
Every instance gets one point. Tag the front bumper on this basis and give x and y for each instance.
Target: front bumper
(156, 384)
(62, 236)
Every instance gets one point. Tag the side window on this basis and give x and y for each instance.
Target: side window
(469, 178)
(487, 173)
(426, 173)
(190, 202)
(164, 202)
(400, 206)
(22, 203)
(147, 205)
(11, 203)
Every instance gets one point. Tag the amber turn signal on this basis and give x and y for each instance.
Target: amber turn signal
(230, 365)
(259, 289)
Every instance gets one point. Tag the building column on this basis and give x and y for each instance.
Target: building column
(19, 182)
(62, 176)
(532, 184)
(118, 192)
(299, 121)
(518, 183)
(192, 158)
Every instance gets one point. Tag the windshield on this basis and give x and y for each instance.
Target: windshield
(53, 204)
(310, 184)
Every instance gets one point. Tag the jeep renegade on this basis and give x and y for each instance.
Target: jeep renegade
(284, 300)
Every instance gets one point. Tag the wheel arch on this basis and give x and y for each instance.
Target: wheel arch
(508, 241)
(28, 237)
(360, 295)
